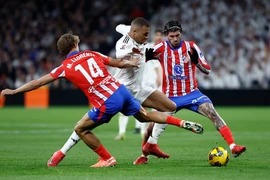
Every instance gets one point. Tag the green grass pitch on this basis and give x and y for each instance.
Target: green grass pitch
(30, 136)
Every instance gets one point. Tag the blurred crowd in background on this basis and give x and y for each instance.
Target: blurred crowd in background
(233, 35)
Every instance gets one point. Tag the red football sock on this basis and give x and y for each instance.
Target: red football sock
(174, 121)
(226, 134)
(102, 152)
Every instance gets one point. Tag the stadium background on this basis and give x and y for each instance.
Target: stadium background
(233, 35)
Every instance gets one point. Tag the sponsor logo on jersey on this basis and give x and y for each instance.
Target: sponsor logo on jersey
(198, 99)
(179, 77)
(123, 47)
(69, 66)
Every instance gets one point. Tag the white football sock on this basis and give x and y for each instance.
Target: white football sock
(72, 140)
(122, 123)
(143, 128)
(158, 130)
(137, 124)
(232, 146)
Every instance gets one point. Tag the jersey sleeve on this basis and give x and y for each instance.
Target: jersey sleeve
(58, 72)
(122, 29)
(202, 65)
(158, 48)
(104, 58)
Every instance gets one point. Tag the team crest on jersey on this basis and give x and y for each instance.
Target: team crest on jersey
(177, 69)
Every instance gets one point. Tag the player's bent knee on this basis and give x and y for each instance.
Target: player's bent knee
(169, 107)
(79, 131)
(142, 116)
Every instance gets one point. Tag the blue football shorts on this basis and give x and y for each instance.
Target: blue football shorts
(120, 101)
(190, 101)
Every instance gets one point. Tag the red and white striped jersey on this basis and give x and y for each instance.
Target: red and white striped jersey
(179, 78)
(88, 72)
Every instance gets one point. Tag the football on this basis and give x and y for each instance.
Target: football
(218, 156)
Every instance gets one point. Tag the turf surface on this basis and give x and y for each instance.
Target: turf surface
(30, 136)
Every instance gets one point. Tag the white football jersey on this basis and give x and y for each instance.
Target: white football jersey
(130, 77)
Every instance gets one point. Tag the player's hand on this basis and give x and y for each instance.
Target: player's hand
(7, 92)
(134, 61)
(137, 51)
(149, 54)
(194, 56)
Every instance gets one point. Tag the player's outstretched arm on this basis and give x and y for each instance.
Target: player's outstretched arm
(198, 59)
(122, 29)
(34, 84)
(124, 63)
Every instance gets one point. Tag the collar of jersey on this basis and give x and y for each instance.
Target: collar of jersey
(180, 45)
(72, 53)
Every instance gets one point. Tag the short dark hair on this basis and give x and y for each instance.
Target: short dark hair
(140, 22)
(172, 26)
(66, 42)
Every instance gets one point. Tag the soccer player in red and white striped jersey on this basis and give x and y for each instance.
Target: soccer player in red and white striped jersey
(179, 60)
(87, 71)
(179, 73)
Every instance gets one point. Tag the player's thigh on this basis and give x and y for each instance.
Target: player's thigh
(86, 124)
(160, 102)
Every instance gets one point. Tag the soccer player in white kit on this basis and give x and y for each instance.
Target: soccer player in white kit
(152, 77)
(133, 44)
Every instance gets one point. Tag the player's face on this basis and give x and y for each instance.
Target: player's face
(158, 37)
(141, 35)
(174, 38)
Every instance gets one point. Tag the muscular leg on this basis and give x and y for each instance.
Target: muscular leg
(148, 132)
(160, 102)
(208, 110)
(83, 129)
(158, 117)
